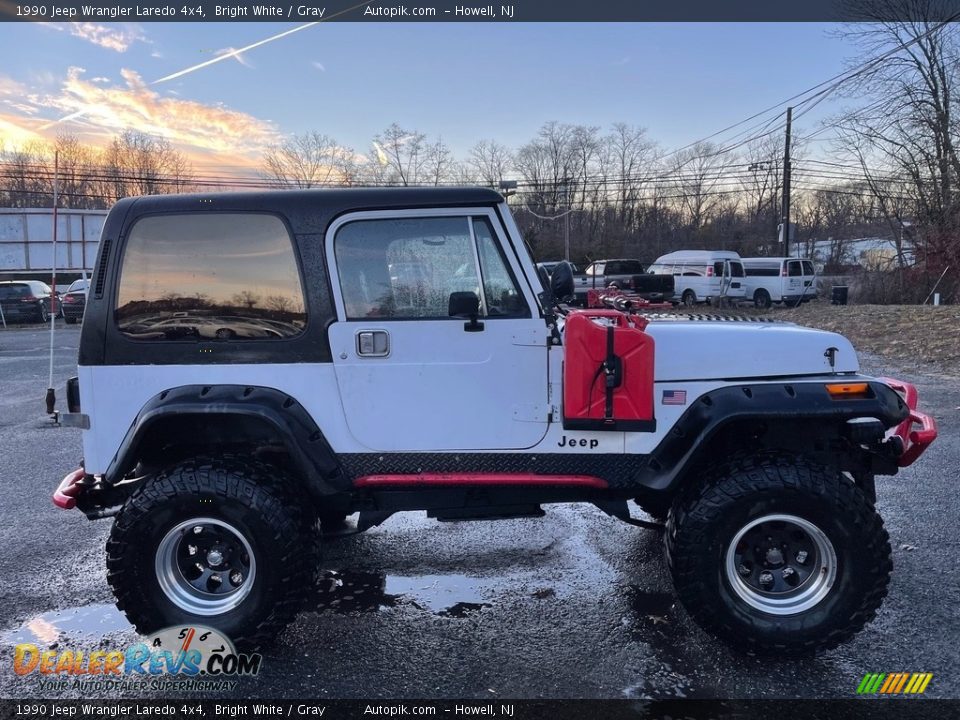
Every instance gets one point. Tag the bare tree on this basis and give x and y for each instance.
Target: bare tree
(401, 154)
(247, 298)
(905, 138)
(308, 160)
(489, 162)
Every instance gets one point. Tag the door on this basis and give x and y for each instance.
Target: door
(809, 279)
(794, 278)
(415, 371)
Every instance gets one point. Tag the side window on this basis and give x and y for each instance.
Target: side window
(736, 269)
(614, 267)
(404, 267)
(718, 269)
(808, 268)
(794, 269)
(632, 267)
(596, 269)
(210, 276)
(503, 297)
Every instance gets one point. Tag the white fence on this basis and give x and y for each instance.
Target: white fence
(26, 239)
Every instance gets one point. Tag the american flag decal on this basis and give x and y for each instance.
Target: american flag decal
(674, 397)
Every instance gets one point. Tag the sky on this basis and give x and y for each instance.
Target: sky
(459, 82)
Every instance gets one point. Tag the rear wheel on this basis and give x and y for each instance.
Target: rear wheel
(213, 542)
(761, 299)
(689, 298)
(777, 554)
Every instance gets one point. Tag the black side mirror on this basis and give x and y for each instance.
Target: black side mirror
(561, 281)
(465, 305)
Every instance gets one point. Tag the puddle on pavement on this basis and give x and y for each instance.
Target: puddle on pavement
(654, 621)
(357, 590)
(91, 622)
(652, 610)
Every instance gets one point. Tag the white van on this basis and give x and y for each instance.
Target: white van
(702, 275)
(779, 280)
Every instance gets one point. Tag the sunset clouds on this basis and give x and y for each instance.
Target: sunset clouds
(116, 38)
(104, 108)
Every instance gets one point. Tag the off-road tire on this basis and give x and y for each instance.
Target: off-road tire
(706, 518)
(761, 299)
(257, 499)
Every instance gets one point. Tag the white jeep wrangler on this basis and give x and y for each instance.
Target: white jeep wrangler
(255, 366)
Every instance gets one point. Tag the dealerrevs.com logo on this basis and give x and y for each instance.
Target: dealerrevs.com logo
(176, 658)
(899, 683)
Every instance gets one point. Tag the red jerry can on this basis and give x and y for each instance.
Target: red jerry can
(607, 372)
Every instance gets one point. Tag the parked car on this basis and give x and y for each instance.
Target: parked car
(25, 301)
(74, 300)
(702, 275)
(779, 280)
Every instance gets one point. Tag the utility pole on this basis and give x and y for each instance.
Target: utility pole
(566, 219)
(785, 214)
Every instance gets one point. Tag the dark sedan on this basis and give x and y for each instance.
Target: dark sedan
(25, 301)
(74, 300)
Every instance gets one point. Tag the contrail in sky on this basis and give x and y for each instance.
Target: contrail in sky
(232, 53)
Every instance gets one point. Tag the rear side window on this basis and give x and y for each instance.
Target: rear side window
(597, 269)
(632, 267)
(794, 269)
(808, 268)
(762, 271)
(736, 269)
(210, 276)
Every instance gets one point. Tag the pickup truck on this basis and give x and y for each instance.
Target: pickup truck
(625, 275)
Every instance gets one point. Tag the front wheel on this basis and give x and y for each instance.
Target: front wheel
(775, 554)
(213, 542)
(761, 299)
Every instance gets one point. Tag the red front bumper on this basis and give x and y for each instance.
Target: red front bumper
(65, 496)
(914, 441)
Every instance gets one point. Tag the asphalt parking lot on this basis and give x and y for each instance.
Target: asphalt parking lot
(574, 604)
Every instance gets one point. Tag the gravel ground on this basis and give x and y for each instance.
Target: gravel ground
(574, 604)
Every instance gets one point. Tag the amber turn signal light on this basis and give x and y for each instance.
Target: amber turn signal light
(848, 391)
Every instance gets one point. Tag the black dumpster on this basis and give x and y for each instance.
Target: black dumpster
(839, 295)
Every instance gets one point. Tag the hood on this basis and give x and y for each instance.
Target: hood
(725, 349)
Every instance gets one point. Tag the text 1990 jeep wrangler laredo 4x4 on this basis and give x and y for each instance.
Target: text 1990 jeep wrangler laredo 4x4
(254, 365)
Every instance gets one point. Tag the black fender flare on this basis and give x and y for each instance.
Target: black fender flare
(299, 433)
(802, 400)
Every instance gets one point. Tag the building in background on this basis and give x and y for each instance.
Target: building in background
(26, 242)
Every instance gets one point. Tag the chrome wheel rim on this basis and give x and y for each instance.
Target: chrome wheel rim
(781, 564)
(205, 566)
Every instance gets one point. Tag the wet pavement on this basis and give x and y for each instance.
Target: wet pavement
(575, 604)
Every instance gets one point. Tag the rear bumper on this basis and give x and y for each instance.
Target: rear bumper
(915, 441)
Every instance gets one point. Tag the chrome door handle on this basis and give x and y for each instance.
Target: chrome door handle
(373, 343)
